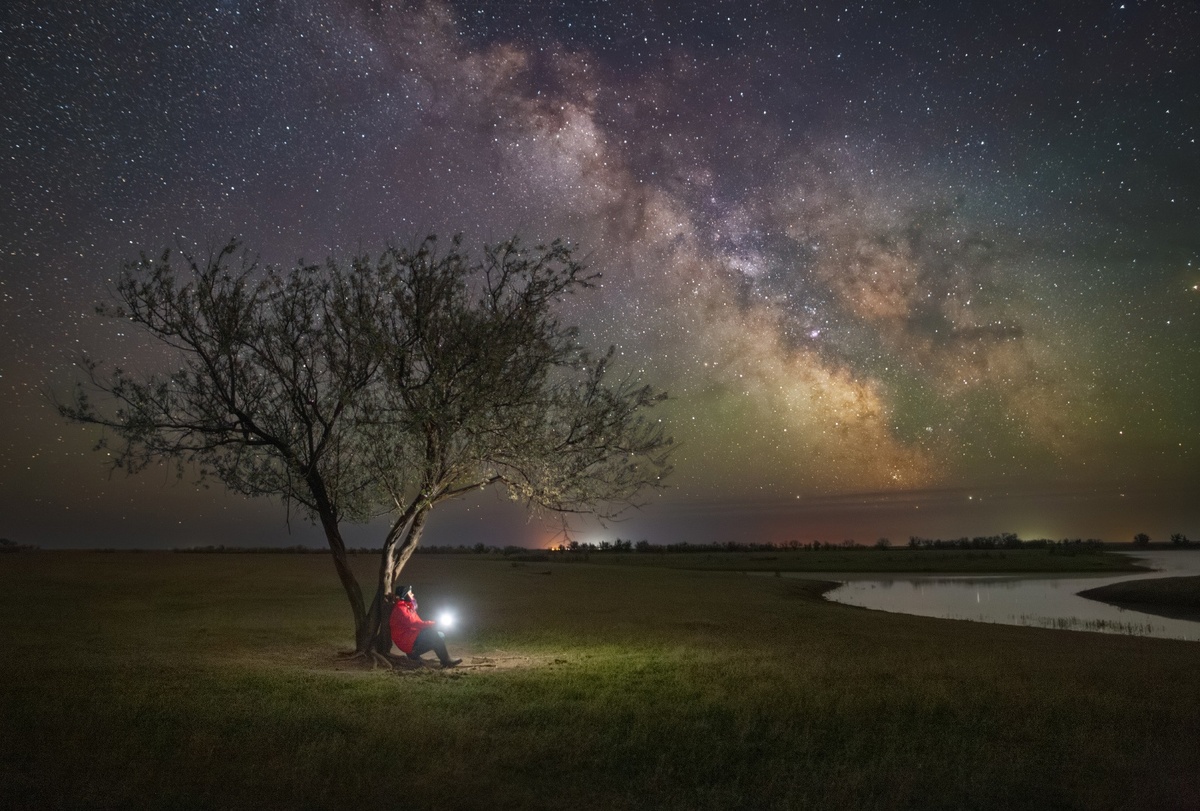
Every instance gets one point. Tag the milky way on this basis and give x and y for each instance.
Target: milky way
(887, 259)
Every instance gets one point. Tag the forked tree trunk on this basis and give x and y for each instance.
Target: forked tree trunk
(397, 549)
(372, 630)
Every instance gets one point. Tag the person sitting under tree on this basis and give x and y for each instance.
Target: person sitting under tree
(414, 635)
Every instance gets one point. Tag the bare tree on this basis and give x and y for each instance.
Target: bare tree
(382, 388)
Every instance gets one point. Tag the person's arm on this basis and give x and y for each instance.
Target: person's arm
(414, 619)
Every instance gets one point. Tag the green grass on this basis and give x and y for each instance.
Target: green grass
(1167, 596)
(862, 559)
(212, 681)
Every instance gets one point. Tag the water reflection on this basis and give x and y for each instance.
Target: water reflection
(1047, 601)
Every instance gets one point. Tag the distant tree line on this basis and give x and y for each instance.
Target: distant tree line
(1006, 540)
(1177, 539)
(12, 546)
(1003, 541)
(295, 549)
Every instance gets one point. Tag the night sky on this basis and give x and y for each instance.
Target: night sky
(921, 268)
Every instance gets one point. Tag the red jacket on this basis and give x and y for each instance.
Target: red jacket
(406, 624)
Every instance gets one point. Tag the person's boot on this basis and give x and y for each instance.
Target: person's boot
(451, 662)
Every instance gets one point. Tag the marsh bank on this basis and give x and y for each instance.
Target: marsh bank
(1048, 601)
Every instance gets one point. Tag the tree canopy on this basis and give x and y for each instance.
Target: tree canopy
(381, 386)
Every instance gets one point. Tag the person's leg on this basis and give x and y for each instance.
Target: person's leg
(431, 640)
(422, 644)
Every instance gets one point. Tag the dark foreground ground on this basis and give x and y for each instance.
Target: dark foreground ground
(213, 681)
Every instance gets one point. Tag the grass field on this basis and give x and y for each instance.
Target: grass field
(864, 559)
(212, 681)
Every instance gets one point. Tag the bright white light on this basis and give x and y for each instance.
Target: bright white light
(446, 619)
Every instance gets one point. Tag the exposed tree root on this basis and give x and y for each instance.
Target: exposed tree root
(480, 661)
(387, 661)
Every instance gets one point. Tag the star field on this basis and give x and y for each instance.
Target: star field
(922, 268)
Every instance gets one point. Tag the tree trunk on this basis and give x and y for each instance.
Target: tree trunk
(363, 632)
(337, 546)
(397, 549)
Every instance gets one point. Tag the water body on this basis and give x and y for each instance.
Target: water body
(1047, 601)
